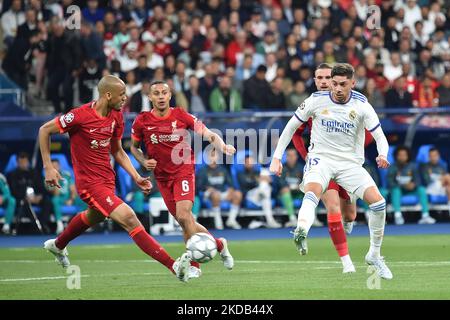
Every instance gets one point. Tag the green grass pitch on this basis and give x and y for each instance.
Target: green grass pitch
(264, 269)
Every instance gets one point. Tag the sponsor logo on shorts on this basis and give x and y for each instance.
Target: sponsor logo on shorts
(110, 202)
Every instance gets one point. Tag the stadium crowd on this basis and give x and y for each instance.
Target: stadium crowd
(228, 56)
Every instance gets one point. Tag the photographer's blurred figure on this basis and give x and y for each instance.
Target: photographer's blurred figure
(28, 188)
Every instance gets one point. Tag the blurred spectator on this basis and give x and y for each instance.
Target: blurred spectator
(425, 95)
(350, 53)
(216, 184)
(131, 85)
(140, 101)
(443, 91)
(256, 187)
(11, 20)
(89, 77)
(394, 69)
(246, 69)
(435, 176)
(63, 65)
(142, 71)
(391, 34)
(360, 77)
(272, 66)
(26, 29)
(257, 89)
(224, 98)
(8, 202)
(398, 96)
(140, 13)
(181, 77)
(282, 24)
(18, 60)
(412, 13)
(376, 47)
(43, 14)
(238, 45)
(28, 189)
(92, 45)
(268, 44)
(92, 12)
(194, 100)
(306, 54)
(403, 179)
(289, 185)
(297, 96)
(138, 198)
(119, 10)
(373, 94)
(276, 96)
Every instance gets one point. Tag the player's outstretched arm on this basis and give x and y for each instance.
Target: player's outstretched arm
(52, 176)
(382, 148)
(217, 142)
(276, 166)
(148, 164)
(124, 161)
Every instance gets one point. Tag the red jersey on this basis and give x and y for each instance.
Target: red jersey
(300, 145)
(90, 137)
(167, 140)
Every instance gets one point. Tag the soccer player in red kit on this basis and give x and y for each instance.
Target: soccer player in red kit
(95, 131)
(163, 131)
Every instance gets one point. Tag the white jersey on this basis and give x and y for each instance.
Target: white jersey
(338, 128)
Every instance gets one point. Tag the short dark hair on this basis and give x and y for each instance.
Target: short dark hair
(343, 69)
(402, 148)
(261, 68)
(23, 154)
(324, 66)
(433, 149)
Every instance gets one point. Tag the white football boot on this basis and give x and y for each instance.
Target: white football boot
(60, 255)
(226, 256)
(194, 272)
(181, 267)
(381, 267)
(348, 226)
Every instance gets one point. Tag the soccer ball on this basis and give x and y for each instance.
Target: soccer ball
(201, 247)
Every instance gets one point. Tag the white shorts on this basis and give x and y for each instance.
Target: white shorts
(259, 194)
(351, 176)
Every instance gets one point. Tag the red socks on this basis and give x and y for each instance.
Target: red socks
(151, 247)
(219, 244)
(337, 233)
(77, 226)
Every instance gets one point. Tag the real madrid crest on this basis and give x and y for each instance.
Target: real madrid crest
(352, 115)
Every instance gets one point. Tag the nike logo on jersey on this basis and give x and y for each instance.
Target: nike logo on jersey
(184, 193)
(92, 130)
(150, 128)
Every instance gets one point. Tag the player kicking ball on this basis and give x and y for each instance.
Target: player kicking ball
(164, 132)
(337, 152)
(95, 131)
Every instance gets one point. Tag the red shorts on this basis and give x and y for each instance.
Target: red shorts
(100, 197)
(175, 190)
(342, 192)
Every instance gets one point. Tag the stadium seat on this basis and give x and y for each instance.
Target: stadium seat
(409, 200)
(11, 165)
(2, 212)
(438, 199)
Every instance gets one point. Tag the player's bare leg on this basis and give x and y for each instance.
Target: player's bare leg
(306, 215)
(331, 201)
(377, 217)
(78, 225)
(190, 227)
(127, 219)
(348, 214)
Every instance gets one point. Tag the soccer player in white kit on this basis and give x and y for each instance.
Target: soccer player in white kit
(336, 152)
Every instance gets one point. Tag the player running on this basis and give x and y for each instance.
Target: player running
(337, 152)
(163, 131)
(95, 131)
(335, 198)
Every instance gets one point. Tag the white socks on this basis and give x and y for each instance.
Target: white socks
(307, 212)
(377, 218)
